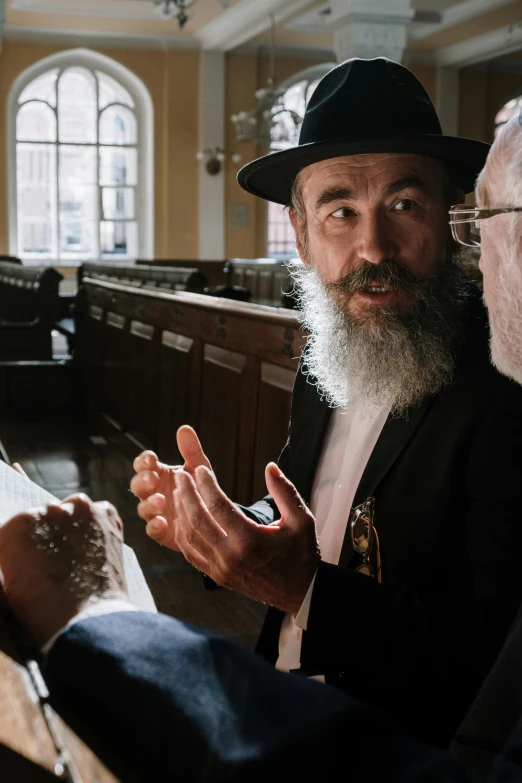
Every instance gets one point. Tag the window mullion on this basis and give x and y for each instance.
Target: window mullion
(56, 211)
(99, 205)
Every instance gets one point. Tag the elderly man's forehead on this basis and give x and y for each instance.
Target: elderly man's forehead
(371, 165)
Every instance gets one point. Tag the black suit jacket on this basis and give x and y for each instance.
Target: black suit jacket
(447, 482)
(161, 701)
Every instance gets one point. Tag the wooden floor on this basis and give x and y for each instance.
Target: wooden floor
(67, 454)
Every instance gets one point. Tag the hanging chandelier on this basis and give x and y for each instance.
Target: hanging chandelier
(168, 9)
(270, 121)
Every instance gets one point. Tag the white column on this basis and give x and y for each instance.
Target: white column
(448, 94)
(369, 28)
(211, 134)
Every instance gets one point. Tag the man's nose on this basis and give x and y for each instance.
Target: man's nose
(376, 241)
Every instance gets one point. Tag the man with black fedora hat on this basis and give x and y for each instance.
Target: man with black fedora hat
(387, 548)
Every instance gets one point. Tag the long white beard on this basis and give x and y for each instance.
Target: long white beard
(395, 362)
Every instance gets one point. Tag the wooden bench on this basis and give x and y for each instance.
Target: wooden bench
(29, 301)
(268, 280)
(214, 271)
(151, 361)
(146, 276)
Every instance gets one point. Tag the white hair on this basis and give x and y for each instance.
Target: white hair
(505, 300)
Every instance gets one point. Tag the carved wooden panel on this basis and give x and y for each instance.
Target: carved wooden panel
(90, 352)
(115, 380)
(212, 372)
(178, 390)
(273, 408)
(223, 397)
(142, 384)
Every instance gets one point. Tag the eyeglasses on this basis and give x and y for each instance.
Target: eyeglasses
(365, 538)
(465, 222)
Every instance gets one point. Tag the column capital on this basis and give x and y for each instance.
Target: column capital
(370, 28)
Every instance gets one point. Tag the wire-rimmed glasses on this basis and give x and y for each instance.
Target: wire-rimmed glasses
(365, 540)
(465, 221)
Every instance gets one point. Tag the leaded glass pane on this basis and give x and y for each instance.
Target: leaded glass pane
(35, 121)
(118, 126)
(110, 91)
(77, 106)
(118, 203)
(43, 88)
(36, 189)
(118, 166)
(77, 238)
(77, 164)
(77, 203)
(118, 240)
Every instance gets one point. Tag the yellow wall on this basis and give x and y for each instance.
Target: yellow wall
(172, 79)
(245, 73)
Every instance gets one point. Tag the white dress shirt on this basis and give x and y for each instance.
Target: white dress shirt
(350, 439)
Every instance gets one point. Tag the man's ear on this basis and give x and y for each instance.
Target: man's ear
(299, 226)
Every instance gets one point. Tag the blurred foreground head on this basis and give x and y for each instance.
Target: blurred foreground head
(500, 185)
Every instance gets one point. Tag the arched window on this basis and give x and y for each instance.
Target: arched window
(80, 148)
(509, 110)
(285, 134)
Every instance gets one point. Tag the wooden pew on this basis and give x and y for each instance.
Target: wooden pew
(214, 271)
(268, 280)
(29, 301)
(151, 361)
(146, 276)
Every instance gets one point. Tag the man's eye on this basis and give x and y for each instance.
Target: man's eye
(404, 205)
(343, 212)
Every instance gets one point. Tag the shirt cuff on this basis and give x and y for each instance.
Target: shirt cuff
(104, 606)
(301, 618)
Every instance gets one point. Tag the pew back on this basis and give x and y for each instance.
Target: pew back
(268, 280)
(146, 276)
(152, 361)
(214, 271)
(29, 302)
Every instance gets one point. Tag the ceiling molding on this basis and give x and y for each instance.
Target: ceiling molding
(456, 14)
(85, 10)
(496, 43)
(245, 20)
(97, 38)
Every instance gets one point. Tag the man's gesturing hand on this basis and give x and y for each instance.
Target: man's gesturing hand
(155, 482)
(274, 564)
(57, 559)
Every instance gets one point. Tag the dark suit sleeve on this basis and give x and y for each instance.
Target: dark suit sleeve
(265, 511)
(433, 644)
(161, 701)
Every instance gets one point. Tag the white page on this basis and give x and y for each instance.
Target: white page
(18, 493)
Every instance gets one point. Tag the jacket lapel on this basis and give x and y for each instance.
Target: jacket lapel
(395, 436)
(307, 437)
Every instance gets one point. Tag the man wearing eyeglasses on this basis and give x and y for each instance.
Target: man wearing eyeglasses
(489, 740)
(404, 444)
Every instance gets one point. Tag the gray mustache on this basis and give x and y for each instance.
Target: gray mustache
(388, 273)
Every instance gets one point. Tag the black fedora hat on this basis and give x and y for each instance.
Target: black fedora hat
(364, 106)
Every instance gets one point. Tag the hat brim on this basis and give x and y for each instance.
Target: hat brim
(271, 177)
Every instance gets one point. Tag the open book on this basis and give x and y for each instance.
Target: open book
(18, 493)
